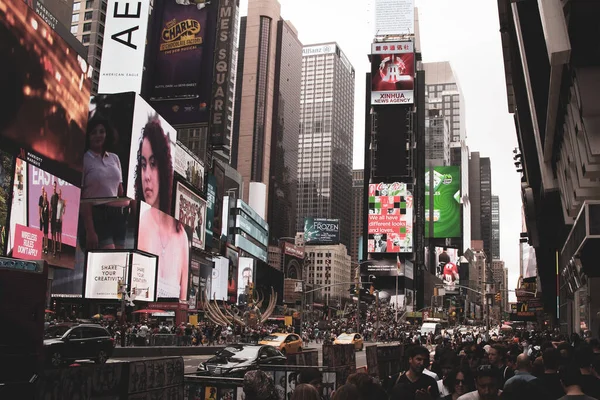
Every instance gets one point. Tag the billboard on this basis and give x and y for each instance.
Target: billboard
(245, 278)
(151, 161)
(322, 49)
(142, 284)
(443, 183)
(162, 235)
(388, 267)
(219, 279)
(394, 17)
(220, 133)
(44, 215)
(108, 134)
(176, 67)
(188, 166)
(103, 273)
(7, 189)
(190, 210)
(211, 199)
(125, 32)
(46, 88)
(232, 274)
(390, 222)
(321, 231)
(392, 73)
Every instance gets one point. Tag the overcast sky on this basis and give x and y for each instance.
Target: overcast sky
(464, 32)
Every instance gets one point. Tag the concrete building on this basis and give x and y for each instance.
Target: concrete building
(500, 278)
(329, 265)
(552, 84)
(87, 24)
(358, 192)
(62, 10)
(275, 257)
(480, 196)
(478, 271)
(495, 248)
(326, 137)
(256, 69)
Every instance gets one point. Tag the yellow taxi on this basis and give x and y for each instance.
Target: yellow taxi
(287, 343)
(350, 338)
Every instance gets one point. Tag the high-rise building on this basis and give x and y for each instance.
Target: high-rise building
(495, 228)
(255, 94)
(480, 195)
(500, 279)
(358, 192)
(87, 24)
(326, 137)
(62, 10)
(283, 174)
(329, 265)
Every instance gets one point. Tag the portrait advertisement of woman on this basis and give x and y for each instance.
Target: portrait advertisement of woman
(159, 233)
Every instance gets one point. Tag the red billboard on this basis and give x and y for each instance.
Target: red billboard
(392, 73)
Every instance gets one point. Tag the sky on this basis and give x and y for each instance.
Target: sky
(463, 32)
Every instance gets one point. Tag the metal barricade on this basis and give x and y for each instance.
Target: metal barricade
(163, 339)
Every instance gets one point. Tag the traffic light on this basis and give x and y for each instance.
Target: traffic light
(498, 297)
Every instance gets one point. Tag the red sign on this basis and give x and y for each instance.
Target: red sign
(28, 243)
(425, 315)
(293, 251)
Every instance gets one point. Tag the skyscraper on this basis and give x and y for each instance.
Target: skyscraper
(495, 227)
(256, 75)
(480, 194)
(358, 192)
(326, 134)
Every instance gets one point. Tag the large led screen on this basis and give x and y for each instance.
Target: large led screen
(164, 236)
(321, 231)
(151, 158)
(142, 284)
(219, 279)
(232, 274)
(46, 88)
(44, 214)
(245, 278)
(390, 225)
(190, 210)
(392, 73)
(6, 189)
(443, 183)
(189, 166)
(104, 271)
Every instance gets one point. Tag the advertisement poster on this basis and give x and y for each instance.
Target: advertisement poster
(443, 183)
(392, 73)
(180, 50)
(28, 243)
(245, 278)
(164, 236)
(143, 277)
(125, 32)
(394, 17)
(103, 273)
(188, 166)
(51, 118)
(321, 231)
(194, 284)
(151, 159)
(190, 210)
(219, 279)
(6, 178)
(211, 198)
(232, 274)
(390, 218)
(110, 117)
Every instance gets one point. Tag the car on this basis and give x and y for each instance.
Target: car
(351, 338)
(67, 343)
(287, 343)
(235, 360)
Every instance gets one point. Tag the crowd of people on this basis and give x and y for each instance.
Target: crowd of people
(524, 366)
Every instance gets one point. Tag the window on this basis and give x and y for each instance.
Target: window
(75, 18)
(100, 40)
(85, 39)
(89, 4)
(98, 52)
(74, 30)
(103, 6)
(76, 6)
(88, 15)
(97, 63)
(87, 27)
(102, 17)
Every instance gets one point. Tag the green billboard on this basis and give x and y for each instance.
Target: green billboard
(442, 202)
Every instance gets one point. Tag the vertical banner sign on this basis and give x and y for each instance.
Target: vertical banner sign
(445, 189)
(390, 218)
(392, 73)
(180, 52)
(190, 210)
(219, 134)
(143, 277)
(211, 198)
(124, 45)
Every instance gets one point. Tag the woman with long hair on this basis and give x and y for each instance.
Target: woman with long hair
(159, 233)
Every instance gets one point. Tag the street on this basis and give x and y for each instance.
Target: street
(191, 362)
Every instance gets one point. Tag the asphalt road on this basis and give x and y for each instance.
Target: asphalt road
(192, 362)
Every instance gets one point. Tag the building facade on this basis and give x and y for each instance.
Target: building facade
(358, 190)
(495, 248)
(329, 265)
(284, 141)
(326, 137)
(480, 196)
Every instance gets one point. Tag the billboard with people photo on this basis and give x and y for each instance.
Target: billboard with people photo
(190, 210)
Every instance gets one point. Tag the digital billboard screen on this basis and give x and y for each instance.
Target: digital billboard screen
(189, 166)
(390, 222)
(162, 235)
(321, 231)
(7, 188)
(232, 274)
(190, 210)
(142, 285)
(219, 279)
(392, 73)
(104, 270)
(46, 88)
(245, 278)
(443, 183)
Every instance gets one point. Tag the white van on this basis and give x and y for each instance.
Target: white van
(431, 327)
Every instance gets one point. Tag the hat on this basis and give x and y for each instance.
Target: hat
(259, 385)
